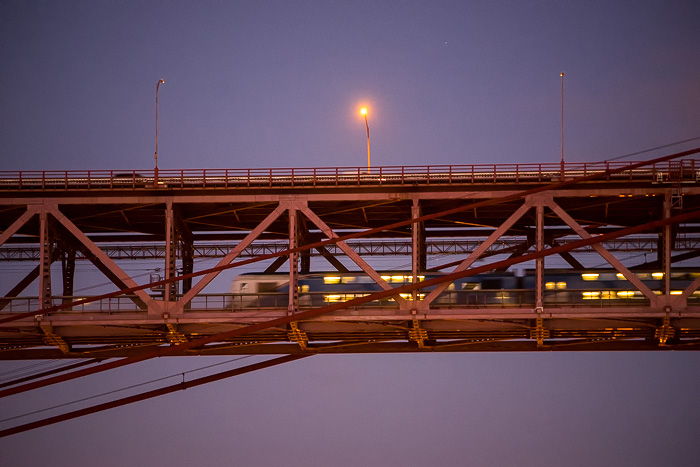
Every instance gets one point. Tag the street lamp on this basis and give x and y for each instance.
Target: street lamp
(363, 111)
(562, 125)
(155, 156)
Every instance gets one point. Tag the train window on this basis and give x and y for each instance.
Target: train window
(589, 276)
(491, 284)
(267, 286)
(409, 296)
(676, 292)
(590, 295)
(657, 275)
(470, 286)
(305, 288)
(549, 285)
(331, 279)
(625, 294)
(561, 285)
(347, 279)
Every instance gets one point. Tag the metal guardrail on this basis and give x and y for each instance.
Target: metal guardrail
(687, 170)
(520, 298)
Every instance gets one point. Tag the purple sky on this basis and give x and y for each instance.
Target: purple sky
(279, 84)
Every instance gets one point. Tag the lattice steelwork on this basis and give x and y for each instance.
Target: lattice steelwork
(502, 221)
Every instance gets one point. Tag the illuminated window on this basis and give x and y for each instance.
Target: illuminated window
(625, 294)
(657, 275)
(620, 276)
(676, 292)
(347, 279)
(409, 296)
(590, 295)
(561, 285)
(549, 285)
(304, 288)
(589, 276)
(331, 280)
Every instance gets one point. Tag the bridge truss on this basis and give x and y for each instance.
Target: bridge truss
(453, 221)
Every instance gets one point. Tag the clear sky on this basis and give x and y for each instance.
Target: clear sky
(279, 84)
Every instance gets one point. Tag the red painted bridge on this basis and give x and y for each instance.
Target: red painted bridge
(586, 256)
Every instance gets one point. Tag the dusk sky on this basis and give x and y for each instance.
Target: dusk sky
(279, 84)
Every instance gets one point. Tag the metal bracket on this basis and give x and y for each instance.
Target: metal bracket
(418, 334)
(298, 336)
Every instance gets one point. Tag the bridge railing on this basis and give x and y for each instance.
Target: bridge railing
(687, 170)
(520, 298)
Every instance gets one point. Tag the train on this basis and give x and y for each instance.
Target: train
(594, 287)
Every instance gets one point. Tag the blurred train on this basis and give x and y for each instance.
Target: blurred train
(561, 287)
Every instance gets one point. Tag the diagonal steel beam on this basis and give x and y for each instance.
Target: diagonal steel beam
(357, 259)
(16, 225)
(109, 264)
(255, 233)
(609, 257)
(469, 260)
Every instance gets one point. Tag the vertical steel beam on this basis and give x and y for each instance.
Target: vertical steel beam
(186, 239)
(666, 260)
(45, 260)
(170, 252)
(68, 269)
(293, 305)
(539, 262)
(415, 247)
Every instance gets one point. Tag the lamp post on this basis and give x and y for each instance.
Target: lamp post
(562, 125)
(363, 111)
(155, 155)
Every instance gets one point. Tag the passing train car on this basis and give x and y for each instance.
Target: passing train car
(594, 287)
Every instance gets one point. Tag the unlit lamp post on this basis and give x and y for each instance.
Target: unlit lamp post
(155, 156)
(562, 125)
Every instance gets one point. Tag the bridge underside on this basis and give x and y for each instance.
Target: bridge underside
(548, 243)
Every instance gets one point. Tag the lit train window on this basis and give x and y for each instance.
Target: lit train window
(589, 276)
(657, 275)
(621, 276)
(401, 279)
(347, 279)
(561, 285)
(331, 279)
(344, 297)
(304, 288)
(549, 285)
(625, 293)
(590, 295)
(676, 292)
(409, 296)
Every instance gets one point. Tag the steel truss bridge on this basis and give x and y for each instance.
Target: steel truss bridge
(456, 220)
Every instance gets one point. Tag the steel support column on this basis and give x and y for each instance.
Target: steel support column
(46, 245)
(293, 305)
(539, 262)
